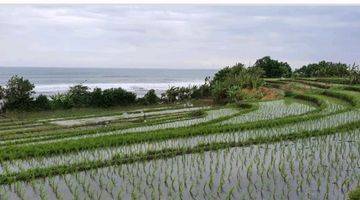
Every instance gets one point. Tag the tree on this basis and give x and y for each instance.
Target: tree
(2, 92)
(230, 81)
(2, 101)
(219, 91)
(171, 94)
(118, 96)
(354, 72)
(61, 101)
(273, 68)
(222, 74)
(323, 69)
(97, 98)
(18, 93)
(232, 93)
(151, 97)
(79, 95)
(42, 103)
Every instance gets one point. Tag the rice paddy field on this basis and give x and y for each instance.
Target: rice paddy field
(305, 145)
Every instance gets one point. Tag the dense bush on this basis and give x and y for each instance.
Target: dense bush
(150, 98)
(323, 69)
(117, 96)
(42, 103)
(18, 93)
(228, 83)
(61, 101)
(19, 96)
(202, 91)
(355, 194)
(79, 96)
(354, 74)
(273, 68)
(2, 92)
(97, 98)
(186, 93)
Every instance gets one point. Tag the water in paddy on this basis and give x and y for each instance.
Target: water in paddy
(313, 168)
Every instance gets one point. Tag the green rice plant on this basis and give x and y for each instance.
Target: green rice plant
(314, 84)
(355, 194)
(350, 99)
(292, 156)
(271, 110)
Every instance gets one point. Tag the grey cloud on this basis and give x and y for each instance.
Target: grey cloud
(175, 36)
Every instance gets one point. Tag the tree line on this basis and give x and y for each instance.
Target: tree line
(19, 95)
(230, 84)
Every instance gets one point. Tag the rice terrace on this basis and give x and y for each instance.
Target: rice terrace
(267, 138)
(170, 101)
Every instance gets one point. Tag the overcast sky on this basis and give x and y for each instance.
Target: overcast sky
(175, 36)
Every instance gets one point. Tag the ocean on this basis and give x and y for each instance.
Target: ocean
(51, 81)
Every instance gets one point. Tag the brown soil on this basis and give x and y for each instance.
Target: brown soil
(263, 93)
(269, 93)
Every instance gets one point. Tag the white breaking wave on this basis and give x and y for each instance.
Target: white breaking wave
(139, 88)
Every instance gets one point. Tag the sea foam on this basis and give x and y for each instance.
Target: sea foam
(139, 88)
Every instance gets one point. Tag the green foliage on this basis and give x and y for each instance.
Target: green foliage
(345, 97)
(201, 91)
(97, 98)
(79, 95)
(354, 74)
(186, 93)
(273, 68)
(2, 92)
(319, 102)
(314, 84)
(335, 80)
(229, 81)
(233, 93)
(323, 69)
(219, 91)
(355, 194)
(151, 98)
(42, 103)
(167, 153)
(61, 101)
(222, 74)
(118, 96)
(152, 145)
(18, 93)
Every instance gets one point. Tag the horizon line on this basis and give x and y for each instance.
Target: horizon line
(110, 67)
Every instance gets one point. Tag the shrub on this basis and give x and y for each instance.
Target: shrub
(2, 92)
(273, 68)
(228, 82)
(97, 98)
(118, 96)
(355, 194)
(354, 72)
(151, 97)
(79, 95)
(61, 101)
(42, 103)
(18, 93)
(323, 69)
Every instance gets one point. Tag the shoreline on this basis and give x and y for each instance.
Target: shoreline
(138, 88)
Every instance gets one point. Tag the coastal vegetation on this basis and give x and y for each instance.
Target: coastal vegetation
(245, 133)
(234, 84)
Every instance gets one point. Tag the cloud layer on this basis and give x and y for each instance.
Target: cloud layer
(160, 36)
